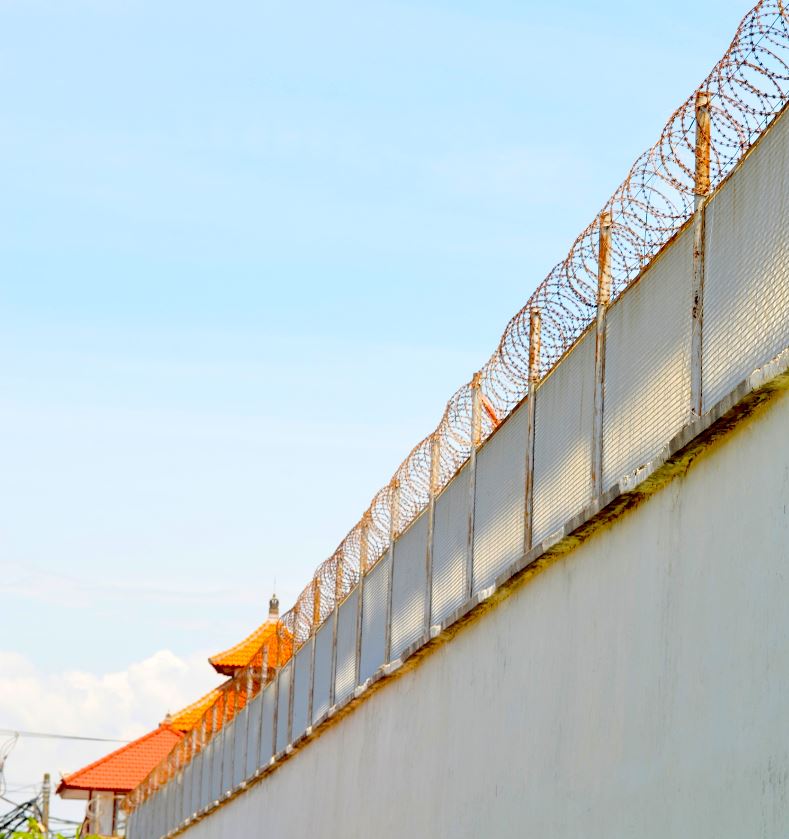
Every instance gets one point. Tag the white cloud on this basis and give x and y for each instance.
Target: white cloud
(121, 704)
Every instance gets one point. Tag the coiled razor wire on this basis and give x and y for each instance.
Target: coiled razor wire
(747, 89)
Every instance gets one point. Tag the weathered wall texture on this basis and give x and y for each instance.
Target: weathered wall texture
(637, 688)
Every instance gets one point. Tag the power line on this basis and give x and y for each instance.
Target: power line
(43, 734)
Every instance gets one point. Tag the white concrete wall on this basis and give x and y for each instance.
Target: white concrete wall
(637, 688)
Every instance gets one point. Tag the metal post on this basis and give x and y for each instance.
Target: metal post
(213, 752)
(435, 476)
(603, 299)
(364, 550)
(394, 529)
(291, 689)
(702, 188)
(246, 729)
(201, 739)
(535, 323)
(476, 440)
(316, 605)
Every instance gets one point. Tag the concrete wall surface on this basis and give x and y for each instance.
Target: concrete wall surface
(639, 687)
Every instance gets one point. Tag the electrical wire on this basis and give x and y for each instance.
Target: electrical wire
(42, 734)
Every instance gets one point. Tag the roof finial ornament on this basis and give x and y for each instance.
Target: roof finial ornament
(273, 607)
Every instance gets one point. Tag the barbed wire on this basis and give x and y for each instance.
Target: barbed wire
(747, 89)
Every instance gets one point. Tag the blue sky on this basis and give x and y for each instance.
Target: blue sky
(249, 250)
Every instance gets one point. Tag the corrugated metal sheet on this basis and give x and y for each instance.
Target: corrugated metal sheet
(563, 440)
(324, 677)
(409, 587)
(168, 805)
(195, 800)
(647, 363)
(283, 706)
(746, 286)
(450, 547)
(240, 747)
(216, 770)
(345, 677)
(500, 500)
(227, 756)
(253, 736)
(267, 723)
(301, 690)
(186, 796)
(376, 595)
(205, 779)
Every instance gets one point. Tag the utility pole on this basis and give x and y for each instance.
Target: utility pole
(45, 791)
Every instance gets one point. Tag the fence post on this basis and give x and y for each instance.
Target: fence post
(435, 475)
(291, 691)
(202, 738)
(394, 527)
(603, 299)
(701, 189)
(316, 619)
(476, 440)
(247, 699)
(535, 323)
(337, 593)
(363, 561)
(213, 751)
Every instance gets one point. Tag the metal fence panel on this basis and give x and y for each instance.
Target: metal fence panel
(450, 547)
(240, 747)
(195, 800)
(564, 410)
(253, 736)
(178, 799)
(216, 770)
(374, 604)
(409, 587)
(167, 808)
(500, 499)
(205, 780)
(186, 796)
(283, 706)
(647, 363)
(301, 690)
(345, 676)
(163, 825)
(227, 755)
(746, 285)
(267, 723)
(323, 677)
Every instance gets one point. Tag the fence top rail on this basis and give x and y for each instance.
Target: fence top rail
(745, 90)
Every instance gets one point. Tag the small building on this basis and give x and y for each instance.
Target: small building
(104, 783)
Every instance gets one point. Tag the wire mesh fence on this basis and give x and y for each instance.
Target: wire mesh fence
(470, 494)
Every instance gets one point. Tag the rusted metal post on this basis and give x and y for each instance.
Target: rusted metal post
(364, 548)
(535, 324)
(247, 698)
(435, 476)
(603, 300)
(201, 779)
(316, 605)
(394, 529)
(702, 189)
(227, 747)
(476, 441)
(291, 690)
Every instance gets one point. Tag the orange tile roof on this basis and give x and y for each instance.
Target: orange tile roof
(229, 661)
(125, 768)
(188, 718)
